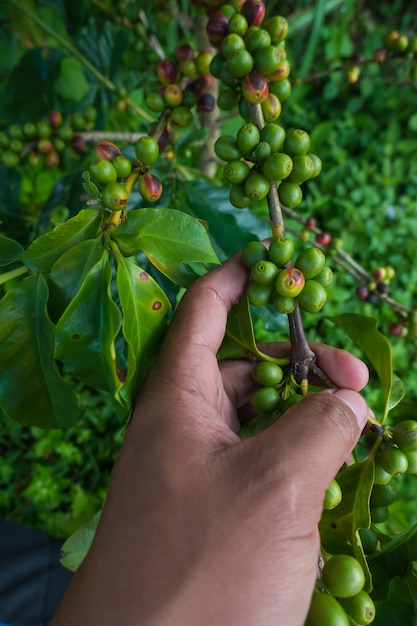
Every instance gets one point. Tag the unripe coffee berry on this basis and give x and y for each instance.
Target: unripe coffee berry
(280, 250)
(297, 142)
(343, 576)
(253, 252)
(236, 171)
(290, 194)
(313, 297)
(256, 186)
(274, 135)
(267, 374)
(282, 304)
(247, 137)
(264, 272)
(238, 197)
(310, 261)
(265, 400)
(147, 150)
(115, 196)
(258, 295)
(102, 172)
(226, 148)
(277, 167)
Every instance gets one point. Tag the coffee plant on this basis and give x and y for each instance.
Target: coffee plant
(152, 181)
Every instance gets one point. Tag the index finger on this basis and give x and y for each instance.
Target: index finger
(201, 317)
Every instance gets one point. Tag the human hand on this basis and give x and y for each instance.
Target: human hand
(200, 528)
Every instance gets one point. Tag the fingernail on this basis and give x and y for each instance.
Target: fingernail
(356, 403)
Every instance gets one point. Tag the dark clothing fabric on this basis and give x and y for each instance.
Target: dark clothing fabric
(32, 580)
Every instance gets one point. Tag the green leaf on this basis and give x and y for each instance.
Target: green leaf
(179, 273)
(72, 83)
(86, 332)
(32, 391)
(10, 251)
(75, 548)
(69, 272)
(46, 250)
(364, 333)
(167, 235)
(239, 328)
(145, 307)
(338, 527)
(90, 187)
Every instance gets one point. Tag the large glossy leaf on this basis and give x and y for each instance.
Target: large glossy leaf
(86, 332)
(32, 391)
(339, 526)
(167, 235)
(239, 330)
(144, 307)
(364, 333)
(70, 271)
(46, 250)
(230, 228)
(10, 250)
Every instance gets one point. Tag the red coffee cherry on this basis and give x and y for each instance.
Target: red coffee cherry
(107, 150)
(167, 71)
(253, 11)
(255, 88)
(150, 187)
(217, 28)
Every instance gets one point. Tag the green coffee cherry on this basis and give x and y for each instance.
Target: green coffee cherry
(240, 63)
(271, 108)
(236, 172)
(267, 374)
(253, 252)
(333, 495)
(122, 165)
(264, 272)
(325, 276)
(265, 400)
(258, 295)
(282, 304)
(310, 261)
(115, 196)
(238, 197)
(325, 610)
(256, 186)
(274, 135)
(277, 167)
(226, 148)
(147, 150)
(382, 495)
(281, 89)
(303, 168)
(393, 460)
(102, 172)
(343, 576)
(405, 435)
(297, 141)
(247, 138)
(290, 194)
(360, 608)
(280, 250)
(313, 296)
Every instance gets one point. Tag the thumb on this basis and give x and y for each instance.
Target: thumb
(311, 441)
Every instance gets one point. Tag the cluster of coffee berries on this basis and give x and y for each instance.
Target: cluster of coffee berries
(43, 142)
(339, 598)
(378, 286)
(183, 83)
(256, 158)
(106, 180)
(273, 281)
(400, 44)
(251, 62)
